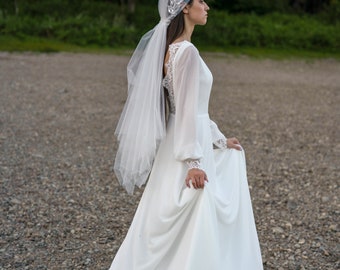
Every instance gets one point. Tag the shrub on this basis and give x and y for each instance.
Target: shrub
(103, 24)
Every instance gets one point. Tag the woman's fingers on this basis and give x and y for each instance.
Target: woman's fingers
(203, 180)
(238, 147)
(187, 181)
(206, 177)
(233, 143)
(198, 181)
(197, 178)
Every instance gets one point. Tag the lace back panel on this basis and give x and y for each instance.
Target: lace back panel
(168, 79)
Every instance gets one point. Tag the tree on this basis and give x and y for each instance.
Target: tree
(130, 4)
(267, 6)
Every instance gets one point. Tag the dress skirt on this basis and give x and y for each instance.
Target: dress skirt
(181, 228)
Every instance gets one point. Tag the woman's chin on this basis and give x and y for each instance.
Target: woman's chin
(204, 22)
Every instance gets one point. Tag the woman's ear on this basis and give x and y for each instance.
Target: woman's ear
(186, 9)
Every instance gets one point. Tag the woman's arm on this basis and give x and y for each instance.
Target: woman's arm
(220, 141)
(186, 86)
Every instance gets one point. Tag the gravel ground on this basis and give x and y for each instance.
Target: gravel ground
(61, 206)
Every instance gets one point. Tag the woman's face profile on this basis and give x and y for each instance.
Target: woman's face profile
(197, 12)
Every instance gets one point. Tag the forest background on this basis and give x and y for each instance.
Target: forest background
(234, 25)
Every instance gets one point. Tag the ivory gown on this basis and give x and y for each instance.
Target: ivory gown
(180, 228)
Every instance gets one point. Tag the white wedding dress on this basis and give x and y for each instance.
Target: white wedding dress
(181, 228)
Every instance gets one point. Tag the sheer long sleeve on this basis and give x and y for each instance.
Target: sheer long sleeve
(218, 139)
(186, 90)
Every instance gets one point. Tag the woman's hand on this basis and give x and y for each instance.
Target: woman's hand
(197, 178)
(233, 143)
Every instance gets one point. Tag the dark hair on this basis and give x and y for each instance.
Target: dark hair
(175, 28)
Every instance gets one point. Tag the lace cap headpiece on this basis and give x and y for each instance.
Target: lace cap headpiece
(174, 6)
(141, 126)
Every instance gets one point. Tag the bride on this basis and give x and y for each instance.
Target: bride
(195, 212)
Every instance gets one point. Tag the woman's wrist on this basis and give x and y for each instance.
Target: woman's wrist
(193, 164)
(221, 143)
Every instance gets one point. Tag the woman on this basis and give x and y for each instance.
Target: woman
(195, 212)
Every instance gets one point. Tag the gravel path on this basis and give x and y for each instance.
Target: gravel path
(61, 206)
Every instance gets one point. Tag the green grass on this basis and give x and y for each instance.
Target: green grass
(32, 44)
(12, 44)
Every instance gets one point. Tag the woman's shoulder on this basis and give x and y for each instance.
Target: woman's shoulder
(183, 44)
(185, 48)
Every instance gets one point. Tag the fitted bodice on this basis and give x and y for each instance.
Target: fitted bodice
(204, 78)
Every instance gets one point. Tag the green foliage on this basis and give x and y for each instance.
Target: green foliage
(79, 30)
(270, 6)
(260, 6)
(269, 31)
(331, 13)
(101, 23)
(64, 8)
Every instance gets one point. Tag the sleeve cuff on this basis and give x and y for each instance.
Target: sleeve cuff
(221, 143)
(193, 164)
